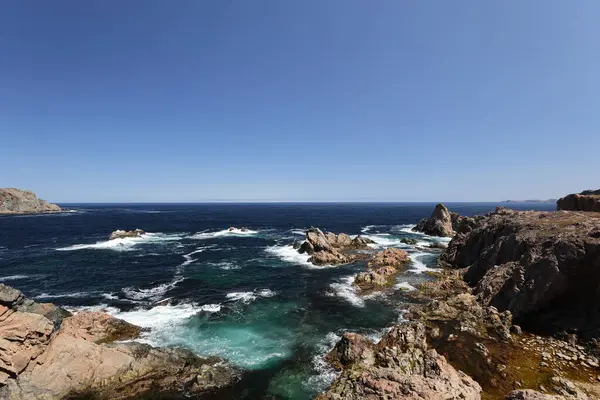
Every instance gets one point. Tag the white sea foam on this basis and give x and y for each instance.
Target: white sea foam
(300, 232)
(417, 266)
(289, 254)
(99, 307)
(247, 297)
(226, 265)
(62, 295)
(367, 228)
(162, 316)
(125, 244)
(188, 257)
(347, 291)
(223, 233)
(384, 240)
(13, 278)
(211, 308)
(152, 294)
(326, 374)
(408, 229)
(109, 296)
(404, 286)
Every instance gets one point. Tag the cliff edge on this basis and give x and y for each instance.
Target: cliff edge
(17, 201)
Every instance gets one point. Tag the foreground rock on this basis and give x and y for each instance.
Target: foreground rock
(118, 234)
(543, 267)
(76, 356)
(400, 366)
(331, 249)
(588, 200)
(382, 269)
(442, 222)
(16, 201)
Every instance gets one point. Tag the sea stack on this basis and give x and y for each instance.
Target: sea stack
(17, 201)
(442, 222)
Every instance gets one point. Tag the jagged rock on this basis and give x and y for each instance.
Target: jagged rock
(588, 200)
(382, 269)
(16, 201)
(233, 229)
(331, 249)
(544, 267)
(441, 222)
(119, 234)
(42, 360)
(437, 245)
(400, 366)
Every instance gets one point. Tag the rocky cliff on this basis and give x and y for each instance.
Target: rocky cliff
(442, 222)
(543, 267)
(46, 353)
(588, 200)
(16, 201)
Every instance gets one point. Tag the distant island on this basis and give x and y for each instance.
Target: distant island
(531, 201)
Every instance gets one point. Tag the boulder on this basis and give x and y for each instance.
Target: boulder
(410, 241)
(331, 249)
(531, 395)
(16, 201)
(588, 200)
(119, 234)
(441, 222)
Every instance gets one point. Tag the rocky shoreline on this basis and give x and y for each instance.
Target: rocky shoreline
(16, 201)
(512, 314)
(48, 353)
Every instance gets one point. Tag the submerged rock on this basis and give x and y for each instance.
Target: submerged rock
(16, 201)
(442, 222)
(77, 357)
(400, 366)
(119, 234)
(588, 200)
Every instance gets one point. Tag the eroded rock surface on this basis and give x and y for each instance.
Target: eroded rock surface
(442, 222)
(382, 269)
(331, 249)
(400, 366)
(45, 359)
(120, 234)
(16, 201)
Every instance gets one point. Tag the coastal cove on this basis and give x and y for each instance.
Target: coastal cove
(243, 295)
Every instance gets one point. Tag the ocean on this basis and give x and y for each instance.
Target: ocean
(247, 297)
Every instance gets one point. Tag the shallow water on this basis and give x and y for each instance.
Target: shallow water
(245, 296)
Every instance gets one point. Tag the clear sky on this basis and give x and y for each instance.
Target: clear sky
(107, 101)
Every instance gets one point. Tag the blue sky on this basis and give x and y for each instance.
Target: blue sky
(338, 100)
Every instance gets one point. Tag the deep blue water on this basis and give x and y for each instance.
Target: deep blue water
(247, 297)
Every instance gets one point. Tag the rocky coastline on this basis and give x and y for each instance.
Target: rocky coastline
(48, 353)
(17, 201)
(511, 314)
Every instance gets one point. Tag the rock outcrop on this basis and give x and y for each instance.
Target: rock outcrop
(543, 267)
(382, 269)
(400, 366)
(588, 200)
(75, 356)
(119, 234)
(16, 201)
(331, 249)
(442, 222)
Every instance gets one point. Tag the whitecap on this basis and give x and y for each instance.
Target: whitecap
(14, 278)
(367, 228)
(300, 232)
(97, 308)
(289, 254)
(223, 233)
(346, 290)
(62, 295)
(154, 293)
(162, 316)
(109, 296)
(247, 297)
(124, 244)
(210, 308)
